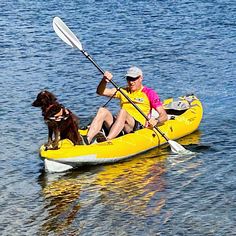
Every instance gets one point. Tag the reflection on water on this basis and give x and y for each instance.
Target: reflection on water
(62, 197)
(183, 47)
(130, 186)
(136, 187)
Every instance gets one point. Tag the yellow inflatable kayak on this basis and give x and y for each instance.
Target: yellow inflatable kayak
(184, 114)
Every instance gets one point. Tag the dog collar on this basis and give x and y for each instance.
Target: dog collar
(63, 114)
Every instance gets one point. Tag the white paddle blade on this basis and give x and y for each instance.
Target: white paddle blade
(65, 33)
(176, 147)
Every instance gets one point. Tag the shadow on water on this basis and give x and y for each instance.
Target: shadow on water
(193, 142)
(76, 200)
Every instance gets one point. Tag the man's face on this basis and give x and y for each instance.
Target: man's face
(134, 83)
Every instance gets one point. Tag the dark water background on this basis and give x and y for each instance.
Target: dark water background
(182, 47)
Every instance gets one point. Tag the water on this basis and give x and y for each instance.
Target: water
(182, 47)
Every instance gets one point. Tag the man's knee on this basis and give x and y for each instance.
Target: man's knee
(103, 111)
(104, 114)
(122, 114)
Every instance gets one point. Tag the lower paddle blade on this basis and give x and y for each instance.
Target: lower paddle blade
(176, 147)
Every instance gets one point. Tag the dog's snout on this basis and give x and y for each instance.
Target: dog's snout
(35, 103)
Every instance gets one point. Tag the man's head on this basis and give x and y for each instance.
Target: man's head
(134, 77)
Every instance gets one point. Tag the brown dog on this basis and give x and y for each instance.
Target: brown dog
(61, 122)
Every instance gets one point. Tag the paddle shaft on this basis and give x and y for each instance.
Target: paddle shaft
(118, 88)
(69, 38)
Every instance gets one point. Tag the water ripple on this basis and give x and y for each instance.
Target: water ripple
(182, 47)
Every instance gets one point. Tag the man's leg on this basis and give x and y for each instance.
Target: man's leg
(103, 115)
(124, 119)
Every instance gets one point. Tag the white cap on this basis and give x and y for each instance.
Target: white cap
(134, 72)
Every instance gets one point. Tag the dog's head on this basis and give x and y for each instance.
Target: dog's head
(44, 99)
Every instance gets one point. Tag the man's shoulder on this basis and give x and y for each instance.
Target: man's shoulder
(148, 90)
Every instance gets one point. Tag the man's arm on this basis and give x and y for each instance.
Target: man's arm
(102, 89)
(161, 118)
(162, 114)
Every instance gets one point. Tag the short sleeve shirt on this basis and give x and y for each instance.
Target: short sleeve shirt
(145, 99)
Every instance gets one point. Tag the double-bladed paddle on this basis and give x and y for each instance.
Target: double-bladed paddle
(69, 38)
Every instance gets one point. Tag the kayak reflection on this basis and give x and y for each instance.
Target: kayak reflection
(137, 186)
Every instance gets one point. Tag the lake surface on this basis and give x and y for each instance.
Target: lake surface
(182, 47)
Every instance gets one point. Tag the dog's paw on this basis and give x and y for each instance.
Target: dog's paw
(50, 146)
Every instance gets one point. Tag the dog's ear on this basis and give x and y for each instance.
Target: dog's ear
(49, 96)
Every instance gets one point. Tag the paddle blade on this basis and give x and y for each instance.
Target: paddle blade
(176, 147)
(65, 33)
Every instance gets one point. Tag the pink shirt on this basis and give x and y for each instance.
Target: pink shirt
(153, 97)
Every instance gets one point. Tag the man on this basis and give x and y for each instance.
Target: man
(129, 118)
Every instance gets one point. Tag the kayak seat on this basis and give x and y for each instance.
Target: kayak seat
(176, 107)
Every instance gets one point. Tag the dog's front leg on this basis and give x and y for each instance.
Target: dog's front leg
(50, 133)
(56, 138)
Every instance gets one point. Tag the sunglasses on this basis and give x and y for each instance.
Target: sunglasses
(131, 78)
